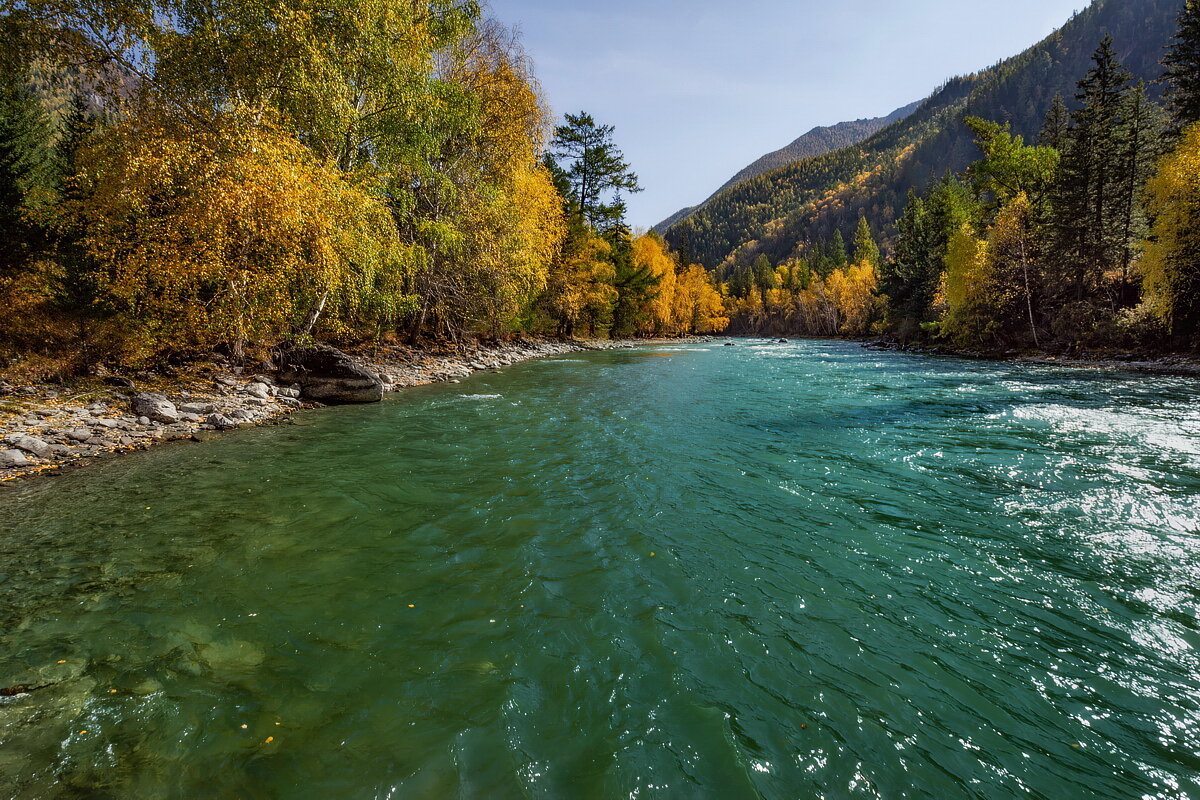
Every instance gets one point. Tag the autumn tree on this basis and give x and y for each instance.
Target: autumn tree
(1171, 267)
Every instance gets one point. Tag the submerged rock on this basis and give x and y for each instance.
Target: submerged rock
(327, 374)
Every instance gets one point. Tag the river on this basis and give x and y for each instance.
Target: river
(776, 571)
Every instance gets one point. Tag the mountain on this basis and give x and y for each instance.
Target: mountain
(778, 212)
(817, 142)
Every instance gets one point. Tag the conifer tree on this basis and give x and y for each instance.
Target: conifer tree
(1057, 125)
(764, 275)
(865, 248)
(26, 166)
(1183, 68)
(592, 164)
(837, 251)
(1089, 195)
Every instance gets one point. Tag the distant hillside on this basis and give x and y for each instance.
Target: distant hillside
(817, 142)
(777, 212)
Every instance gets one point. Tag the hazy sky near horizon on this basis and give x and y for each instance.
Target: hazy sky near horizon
(699, 89)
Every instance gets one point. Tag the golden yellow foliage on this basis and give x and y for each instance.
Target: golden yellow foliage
(685, 300)
(853, 293)
(232, 235)
(1171, 265)
(966, 286)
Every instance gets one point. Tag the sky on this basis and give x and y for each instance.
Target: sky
(698, 89)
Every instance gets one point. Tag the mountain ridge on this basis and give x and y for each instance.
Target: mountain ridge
(779, 212)
(816, 142)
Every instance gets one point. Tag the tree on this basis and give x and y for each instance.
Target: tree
(965, 290)
(636, 285)
(764, 275)
(838, 257)
(1009, 168)
(1143, 130)
(1057, 125)
(594, 168)
(866, 250)
(1088, 197)
(1171, 267)
(232, 237)
(26, 171)
(1183, 68)
(912, 277)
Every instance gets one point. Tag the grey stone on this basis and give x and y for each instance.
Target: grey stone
(329, 375)
(12, 458)
(257, 401)
(189, 417)
(259, 390)
(30, 444)
(156, 406)
(79, 434)
(197, 408)
(143, 420)
(221, 422)
(107, 423)
(287, 393)
(290, 402)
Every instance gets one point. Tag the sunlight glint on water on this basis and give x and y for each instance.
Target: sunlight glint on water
(782, 571)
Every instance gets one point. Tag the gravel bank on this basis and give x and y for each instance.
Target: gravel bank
(44, 429)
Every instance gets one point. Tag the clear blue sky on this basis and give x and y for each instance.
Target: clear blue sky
(698, 89)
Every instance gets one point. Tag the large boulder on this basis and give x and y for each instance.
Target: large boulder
(156, 406)
(30, 444)
(12, 458)
(327, 374)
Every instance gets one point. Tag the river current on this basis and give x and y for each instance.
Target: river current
(768, 571)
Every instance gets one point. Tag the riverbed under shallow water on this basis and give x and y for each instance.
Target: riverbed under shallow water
(777, 571)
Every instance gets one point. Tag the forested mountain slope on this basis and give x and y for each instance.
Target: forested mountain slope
(817, 142)
(777, 212)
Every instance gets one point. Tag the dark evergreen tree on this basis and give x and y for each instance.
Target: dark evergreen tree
(764, 276)
(838, 257)
(26, 168)
(635, 285)
(865, 248)
(1057, 125)
(911, 278)
(1089, 195)
(1183, 68)
(587, 158)
(1143, 130)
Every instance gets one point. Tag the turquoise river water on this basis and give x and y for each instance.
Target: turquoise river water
(769, 571)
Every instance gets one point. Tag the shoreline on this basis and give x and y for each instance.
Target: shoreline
(1166, 364)
(46, 430)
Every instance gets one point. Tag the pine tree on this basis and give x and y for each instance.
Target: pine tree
(26, 166)
(594, 166)
(865, 248)
(1088, 197)
(1142, 131)
(1057, 126)
(837, 251)
(1183, 68)
(764, 276)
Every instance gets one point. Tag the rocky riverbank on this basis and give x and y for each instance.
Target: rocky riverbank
(1163, 364)
(45, 428)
